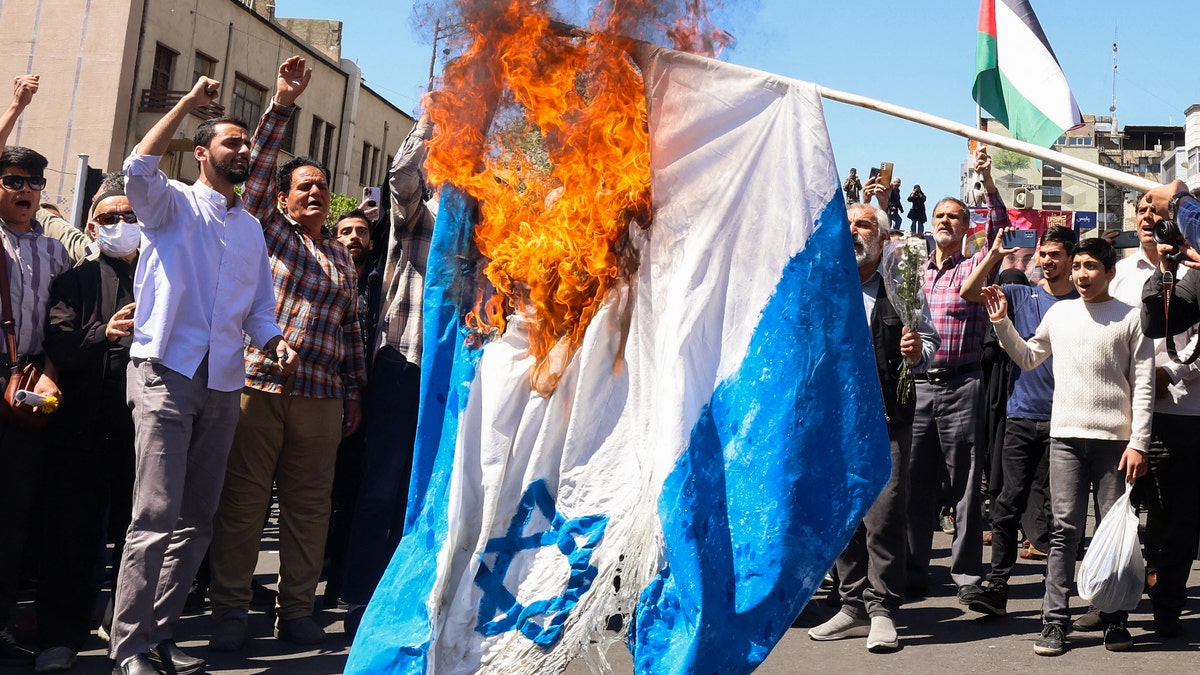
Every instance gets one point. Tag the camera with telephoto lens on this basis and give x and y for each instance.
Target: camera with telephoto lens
(1166, 231)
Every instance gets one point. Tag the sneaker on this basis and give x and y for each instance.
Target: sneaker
(947, 524)
(967, 592)
(54, 660)
(992, 600)
(1032, 553)
(1089, 622)
(882, 638)
(303, 630)
(12, 653)
(1117, 637)
(840, 627)
(229, 635)
(1051, 642)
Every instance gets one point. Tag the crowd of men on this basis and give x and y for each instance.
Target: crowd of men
(207, 344)
(1081, 393)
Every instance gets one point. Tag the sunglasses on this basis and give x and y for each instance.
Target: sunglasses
(113, 217)
(15, 182)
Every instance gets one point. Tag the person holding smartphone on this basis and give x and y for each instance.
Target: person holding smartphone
(916, 213)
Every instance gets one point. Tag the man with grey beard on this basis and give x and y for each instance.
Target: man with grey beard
(872, 567)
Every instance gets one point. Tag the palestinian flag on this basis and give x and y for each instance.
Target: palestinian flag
(1017, 77)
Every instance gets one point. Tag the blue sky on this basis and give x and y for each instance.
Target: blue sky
(916, 54)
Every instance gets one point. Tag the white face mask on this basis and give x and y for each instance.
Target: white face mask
(119, 239)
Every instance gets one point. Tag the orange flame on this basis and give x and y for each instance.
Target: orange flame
(548, 133)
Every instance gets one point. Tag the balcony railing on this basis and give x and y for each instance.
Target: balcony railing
(162, 100)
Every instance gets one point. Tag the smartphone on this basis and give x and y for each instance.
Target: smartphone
(1126, 239)
(874, 173)
(370, 194)
(1019, 239)
(885, 174)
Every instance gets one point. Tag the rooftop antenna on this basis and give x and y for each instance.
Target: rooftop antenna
(1112, 109)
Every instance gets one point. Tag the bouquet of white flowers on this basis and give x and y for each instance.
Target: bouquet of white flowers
(901, 268)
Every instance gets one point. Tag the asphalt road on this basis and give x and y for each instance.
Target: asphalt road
(938, 636)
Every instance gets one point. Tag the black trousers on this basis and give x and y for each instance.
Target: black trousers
(85, 501)
(1024, 462)
(1172, 501)
(20, 466)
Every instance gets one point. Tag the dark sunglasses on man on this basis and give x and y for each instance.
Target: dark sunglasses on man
(14, 182)
(113, 217)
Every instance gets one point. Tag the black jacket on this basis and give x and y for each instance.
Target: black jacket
(91, 369)
(886, 330)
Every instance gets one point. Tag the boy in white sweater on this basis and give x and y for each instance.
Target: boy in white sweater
(1099, 423)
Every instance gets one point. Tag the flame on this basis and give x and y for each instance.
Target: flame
(548, 132)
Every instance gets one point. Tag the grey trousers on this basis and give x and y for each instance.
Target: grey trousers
(871, 568)
(946, 439)
(183, 434)
(1077, 465)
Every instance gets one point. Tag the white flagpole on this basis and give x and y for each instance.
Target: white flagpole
(1052, 156)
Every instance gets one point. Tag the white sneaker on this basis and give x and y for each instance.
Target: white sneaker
(840, 627)
(883, 637)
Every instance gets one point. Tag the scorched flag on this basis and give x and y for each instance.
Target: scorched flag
(709, 447)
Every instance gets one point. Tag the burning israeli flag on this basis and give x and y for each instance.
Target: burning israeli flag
(710, 440)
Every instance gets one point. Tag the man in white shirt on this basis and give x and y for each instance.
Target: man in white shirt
(203, 279)
(1168, 493)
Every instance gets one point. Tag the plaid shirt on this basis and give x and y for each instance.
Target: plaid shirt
(408, 249)
(316, 287)
(961, 324)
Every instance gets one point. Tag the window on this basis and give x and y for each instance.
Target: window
(247, 104)
(205, 66)
(1080, 140)
(289, 133)
(364, 170)
(328, 149)
(164, 65)
(314, 137)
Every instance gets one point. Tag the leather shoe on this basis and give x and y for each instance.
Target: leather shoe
(169, 659)
(138, 665)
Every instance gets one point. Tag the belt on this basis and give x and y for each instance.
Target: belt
(26, 359)
(944, 374)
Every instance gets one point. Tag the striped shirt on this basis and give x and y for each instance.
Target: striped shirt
(408, 249)
(316, 287)
(961, 324)
(33, 261)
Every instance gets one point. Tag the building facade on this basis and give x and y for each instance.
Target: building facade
(110, 69)
(1157, 153)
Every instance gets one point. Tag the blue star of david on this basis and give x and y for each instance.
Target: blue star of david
(542, 620)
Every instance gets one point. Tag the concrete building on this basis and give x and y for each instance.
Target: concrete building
(110, 68)
(1156, 153)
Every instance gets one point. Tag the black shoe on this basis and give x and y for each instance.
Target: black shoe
(1167, 624)
(1089, 622)
(138, 665)
(11, 651)
(967, 592)
(1051, 642)
(1117, 637)
(169, 659)
(992, 600)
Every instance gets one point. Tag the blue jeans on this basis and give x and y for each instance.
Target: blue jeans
(391, 422)
(1077, 465)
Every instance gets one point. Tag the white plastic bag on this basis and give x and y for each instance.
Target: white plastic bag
(1113, 572)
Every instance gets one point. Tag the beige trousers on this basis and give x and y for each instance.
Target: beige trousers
(293, 441)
